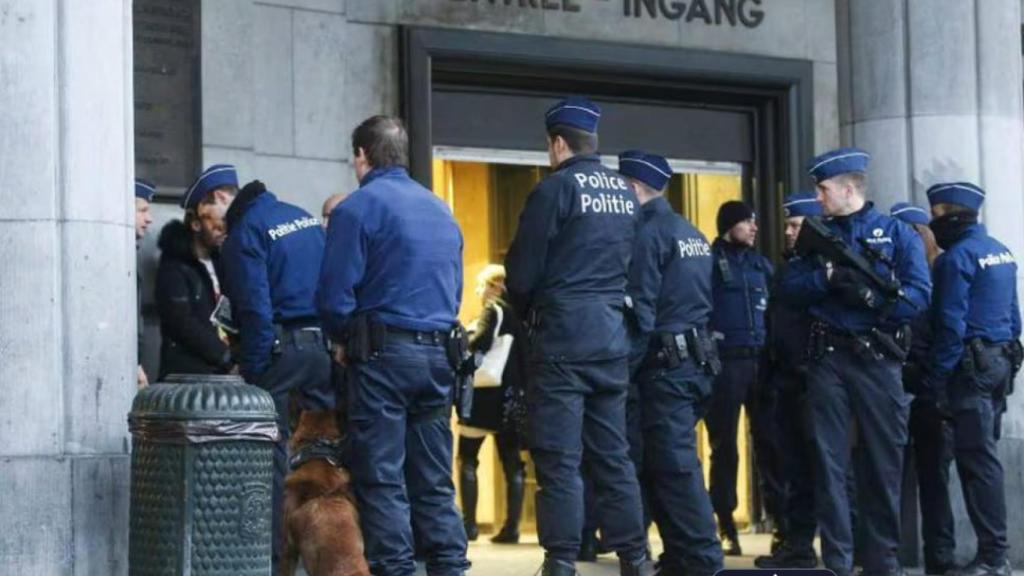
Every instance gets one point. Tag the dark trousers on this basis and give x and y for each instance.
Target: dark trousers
(576, 409)
(796, 462)
(976, 400)
(932, 448)
(399, 409)
(845, 387)
(671, 403)
(303, 366)
(739, 384)
(511, 464)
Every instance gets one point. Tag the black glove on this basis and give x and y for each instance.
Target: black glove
(852, 288)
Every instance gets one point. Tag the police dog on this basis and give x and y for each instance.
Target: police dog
(321, 525)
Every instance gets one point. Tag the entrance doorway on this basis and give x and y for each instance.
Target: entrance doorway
(738, 125)
(486, 190)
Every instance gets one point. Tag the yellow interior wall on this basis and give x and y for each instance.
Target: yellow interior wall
(466, 187)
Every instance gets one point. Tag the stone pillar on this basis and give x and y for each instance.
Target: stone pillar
(933, 91)
(67, 285)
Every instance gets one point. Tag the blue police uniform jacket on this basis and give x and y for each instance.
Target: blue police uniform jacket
(975, 297)
(670, 275)
(568, 264)
(271, 259)
(898, 242)
(394, 253)
(789, 325)
(739, 283)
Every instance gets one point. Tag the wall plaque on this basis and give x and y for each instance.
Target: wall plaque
(166, 76)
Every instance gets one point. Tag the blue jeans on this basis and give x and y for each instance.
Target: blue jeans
(399, 409)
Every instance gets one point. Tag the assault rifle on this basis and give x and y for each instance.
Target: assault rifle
(816, 239)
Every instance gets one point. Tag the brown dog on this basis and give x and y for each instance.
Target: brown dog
(321, 525)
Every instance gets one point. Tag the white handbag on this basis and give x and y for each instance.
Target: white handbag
(488, 374)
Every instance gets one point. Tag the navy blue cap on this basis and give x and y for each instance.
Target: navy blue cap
(909, 213)
(961, 193)
(836, 162)
(651, 169)
(212, 178)
(144, 189)
(801, 204)
(576, 112)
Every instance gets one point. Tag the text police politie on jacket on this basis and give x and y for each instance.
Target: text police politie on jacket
(603, 203)
(286, 228)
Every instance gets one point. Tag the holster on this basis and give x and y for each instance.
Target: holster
(893, 345)
(364, 339)
(456, 348)
(976, 349)
(704, 351)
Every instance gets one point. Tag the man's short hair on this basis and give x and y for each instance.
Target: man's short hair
(579, 141)
(210, 198)
(383, 140)
(647, 188)
(859, 180)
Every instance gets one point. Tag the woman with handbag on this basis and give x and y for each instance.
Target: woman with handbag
(498, 404)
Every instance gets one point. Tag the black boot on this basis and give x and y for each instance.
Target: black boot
(778, 539)
(641, 567)
(468, 486)
(788, 556)
(980, 568)
(509, 533)
(588, 547)
(728, 535)
(554, 567)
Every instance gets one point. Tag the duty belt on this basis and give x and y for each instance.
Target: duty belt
(294, 335)
(874, 343)
(428, 337)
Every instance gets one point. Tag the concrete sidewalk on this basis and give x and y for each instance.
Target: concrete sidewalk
(525, 558)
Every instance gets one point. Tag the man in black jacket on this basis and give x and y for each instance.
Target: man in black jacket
(187, 292)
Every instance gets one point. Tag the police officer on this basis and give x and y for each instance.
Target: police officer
(931, 436)
(976, 325)
(788, 330)
(739, 283)
(567, 270)
(390, 291)
(144, 192)
(670, 290)
(854, 372)
(271, 259)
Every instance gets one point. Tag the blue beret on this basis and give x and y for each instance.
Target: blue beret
(144, 189)
(576, 112)
(909, 213)
(836, 162)
(650, 169)
(212, 178)
(961, 193)
(801, 204)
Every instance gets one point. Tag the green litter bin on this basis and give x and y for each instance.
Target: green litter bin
(202, 473)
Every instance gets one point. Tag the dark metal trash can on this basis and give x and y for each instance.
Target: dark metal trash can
(202, 473)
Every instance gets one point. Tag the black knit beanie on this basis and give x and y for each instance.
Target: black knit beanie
(732, 213)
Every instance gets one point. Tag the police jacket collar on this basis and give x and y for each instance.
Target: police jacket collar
(731, 247)
(382, 172)
(655, 206)
(864, 212)
(243, 202)
(579, 159)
